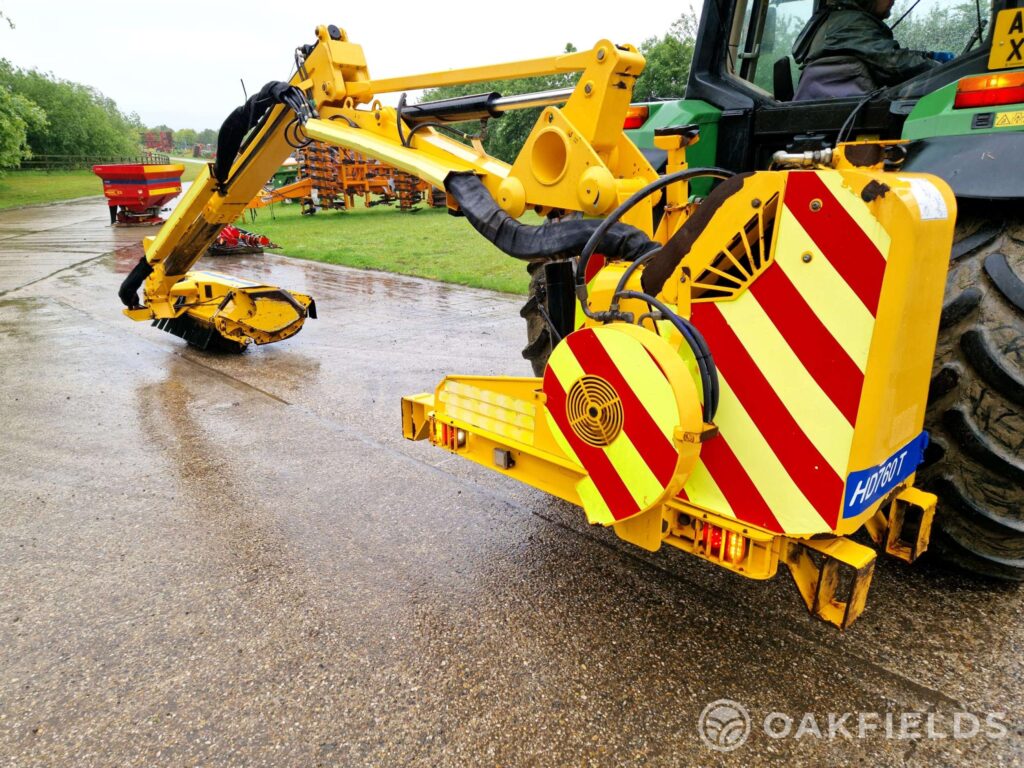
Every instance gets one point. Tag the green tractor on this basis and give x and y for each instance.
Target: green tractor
(963, 121)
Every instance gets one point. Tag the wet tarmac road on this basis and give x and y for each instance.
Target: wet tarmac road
(237, 560)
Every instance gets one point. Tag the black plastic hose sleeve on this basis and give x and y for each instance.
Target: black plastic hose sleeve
(129, 290)
(549, 241)
(663, 264)
(243, 118)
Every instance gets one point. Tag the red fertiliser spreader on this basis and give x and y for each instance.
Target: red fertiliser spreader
(136, 192)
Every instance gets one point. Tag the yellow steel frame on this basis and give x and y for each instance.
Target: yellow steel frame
(577, 158)
(498, 422)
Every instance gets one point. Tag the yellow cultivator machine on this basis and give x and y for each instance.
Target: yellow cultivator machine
(743, 376)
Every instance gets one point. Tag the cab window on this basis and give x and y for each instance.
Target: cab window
(764, 32)
(937, 25)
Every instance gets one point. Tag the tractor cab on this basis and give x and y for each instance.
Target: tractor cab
(772, 43)
(744, 90)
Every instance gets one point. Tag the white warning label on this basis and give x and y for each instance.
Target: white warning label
(930, 201)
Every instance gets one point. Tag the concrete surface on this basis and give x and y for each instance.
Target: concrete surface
(238, 561)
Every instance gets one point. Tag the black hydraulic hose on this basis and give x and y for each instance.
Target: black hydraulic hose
(607, 224)
(851, 119)
(451, 130)
(351, 123)
(129, 290)
(242, 119)
(550, 241)
(398, 119)
(696, 342)
(629, 271)
(694, 338)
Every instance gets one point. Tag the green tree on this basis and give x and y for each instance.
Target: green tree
(207, 136)
(185, 138)
(79, 119)
(668, 67)
(668, 61)
(17, 116)
(941, 27)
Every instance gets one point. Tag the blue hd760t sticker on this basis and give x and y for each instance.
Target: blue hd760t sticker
(866, 486)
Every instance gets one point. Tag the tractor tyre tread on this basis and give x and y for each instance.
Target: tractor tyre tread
(538, 335)
(974, 411)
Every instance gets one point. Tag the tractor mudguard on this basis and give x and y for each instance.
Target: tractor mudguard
(977, 166)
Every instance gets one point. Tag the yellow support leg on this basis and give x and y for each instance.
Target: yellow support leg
(833, 576)
(905, 531)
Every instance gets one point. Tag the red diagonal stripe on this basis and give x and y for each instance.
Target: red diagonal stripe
(654, 448)
(611, 487)
(801, 460)
(737, 487)
(839, 237)
(824, 358)
(594, 265)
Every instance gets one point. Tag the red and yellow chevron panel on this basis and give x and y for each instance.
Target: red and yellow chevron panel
(792, 352)
(619, 398)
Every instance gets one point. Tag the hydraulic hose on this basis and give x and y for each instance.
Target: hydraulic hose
(549, 241)
(694, 339)
(241, 120)
(129, 290)
(598, 236)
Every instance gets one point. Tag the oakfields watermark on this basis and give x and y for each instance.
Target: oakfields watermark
(725, 725)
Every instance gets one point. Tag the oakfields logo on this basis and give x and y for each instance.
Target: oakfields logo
(725, 725)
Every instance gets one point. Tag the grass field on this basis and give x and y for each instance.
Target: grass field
(34, 187)
(19, 188)
(426, 243)
(192, 165)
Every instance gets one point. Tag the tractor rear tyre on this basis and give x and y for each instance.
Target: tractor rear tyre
(975, 463)
(538, 335)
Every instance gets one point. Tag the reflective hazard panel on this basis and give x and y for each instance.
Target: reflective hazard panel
(618, 397)
(1008, 40)
(866, 486)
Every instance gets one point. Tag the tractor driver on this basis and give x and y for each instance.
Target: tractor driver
(847, 49)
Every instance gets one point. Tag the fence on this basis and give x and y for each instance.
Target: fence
(76, 162)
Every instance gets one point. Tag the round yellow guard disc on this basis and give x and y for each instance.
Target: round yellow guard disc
(617, 398)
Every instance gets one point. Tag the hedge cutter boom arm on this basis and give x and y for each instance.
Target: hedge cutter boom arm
(578, 159)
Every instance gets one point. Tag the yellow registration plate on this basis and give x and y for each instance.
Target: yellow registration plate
(1008, 40)
(1010, 119)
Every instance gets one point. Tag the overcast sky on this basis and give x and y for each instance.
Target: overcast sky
(179, 62)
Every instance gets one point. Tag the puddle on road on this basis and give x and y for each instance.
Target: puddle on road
(126, 257)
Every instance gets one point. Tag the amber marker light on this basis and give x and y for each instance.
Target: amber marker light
(636, 116)
(990, 90)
